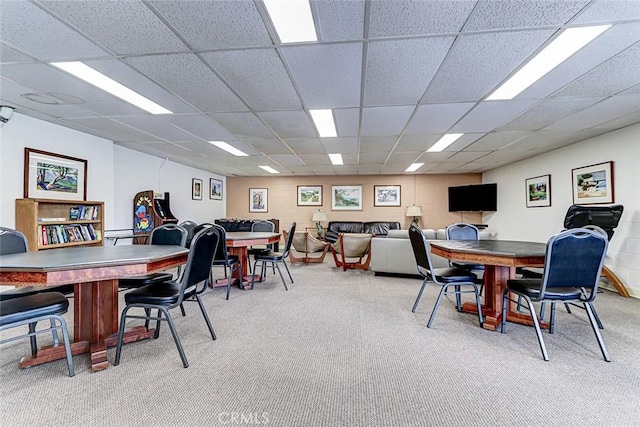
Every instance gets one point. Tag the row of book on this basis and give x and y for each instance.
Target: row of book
(58, 234)
(84, 212)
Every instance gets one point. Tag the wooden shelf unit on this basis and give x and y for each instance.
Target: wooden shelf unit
(40, 219)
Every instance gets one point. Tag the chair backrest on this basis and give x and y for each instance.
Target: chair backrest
(12, 242)
(354, 245)
(198, 267)
(198, 228)
(304, 242)
(462, 231)
(574, 259)
(605, 217)
(264, 226)
(189, 226)
(287, 244)
(168, 234)
(222, 253)
(421, 252)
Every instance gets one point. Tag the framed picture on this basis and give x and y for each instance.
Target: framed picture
(386, 195)
(538, 191)
(54, 176)
(258, 200)
(593, 184)
(196, 189)
(346, 197)
(215, 189)
(309, 195)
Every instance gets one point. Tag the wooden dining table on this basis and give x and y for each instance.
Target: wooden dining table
(94, 271)
(500, 259)
(238, 243)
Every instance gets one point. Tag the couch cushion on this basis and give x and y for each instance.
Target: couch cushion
(345, 226)
(380, 227)
(398, 234)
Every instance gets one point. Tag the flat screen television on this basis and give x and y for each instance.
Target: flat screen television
(473, 198)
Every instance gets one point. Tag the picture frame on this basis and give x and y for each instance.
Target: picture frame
(258, 200)
(538, 191)
(196, 189)
(593, 184)
(309, 195)
(386, 195)
(346, 197)
(215, 189)
(54, 176)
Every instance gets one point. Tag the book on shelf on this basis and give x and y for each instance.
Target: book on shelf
(51, 219)
(74, 213)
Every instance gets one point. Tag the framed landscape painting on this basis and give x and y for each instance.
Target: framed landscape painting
(215, 189)
(386, 195)
(54, 176)
(538, 191)
(196, 189)
(346, 197)
(258, 200)
(309, 195)
(593, 184)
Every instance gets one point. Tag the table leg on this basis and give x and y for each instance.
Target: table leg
(243, 254)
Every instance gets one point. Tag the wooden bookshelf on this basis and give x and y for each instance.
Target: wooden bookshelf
(48, 224)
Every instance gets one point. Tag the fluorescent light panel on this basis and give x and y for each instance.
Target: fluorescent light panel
(323, 119)
(414, 167)
(99, 80)
(228, 148)
(444, 142)
(566, 44)
(336, 159)
(269, 169)
(292, 20)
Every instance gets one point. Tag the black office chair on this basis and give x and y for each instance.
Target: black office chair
(443, 277)
(226, 260)
(275, 258)
(169, 295)
(572, 267)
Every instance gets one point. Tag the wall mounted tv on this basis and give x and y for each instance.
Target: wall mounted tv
(473, 198)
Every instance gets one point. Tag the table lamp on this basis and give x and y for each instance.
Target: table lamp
(318, 217)
(415, 212)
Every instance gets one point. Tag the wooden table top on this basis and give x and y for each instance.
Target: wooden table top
(248, 238)
(508, 253)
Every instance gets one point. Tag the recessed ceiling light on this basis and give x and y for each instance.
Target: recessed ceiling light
(414, 167)
(292, 20)
(336, 159)
(111, 86)
(269, 169)
(323, 119)
(566, 44)
(228, 148)
(444, 142)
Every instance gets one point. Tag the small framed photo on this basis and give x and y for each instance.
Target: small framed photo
(309, 195)
(196, 189)
(346, 197)
(215, 189)
(258, 200)
(54, 176)
(593, 184)
(538, 191)
(386, 195)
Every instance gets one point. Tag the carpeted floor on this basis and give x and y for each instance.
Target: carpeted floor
(342, 349)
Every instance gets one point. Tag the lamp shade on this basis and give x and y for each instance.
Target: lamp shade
(319, 216)
(414, 211)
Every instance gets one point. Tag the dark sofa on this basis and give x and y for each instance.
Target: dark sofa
(379, 228)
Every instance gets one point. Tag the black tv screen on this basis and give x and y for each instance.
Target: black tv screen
(473, 198)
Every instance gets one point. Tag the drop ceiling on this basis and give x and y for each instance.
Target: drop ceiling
(398, 75)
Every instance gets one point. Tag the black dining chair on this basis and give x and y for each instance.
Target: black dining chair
(169, 295)
(464, 231)
(190, 227)
(226, 260)
(571, 273)
(444, 277)
(275, 258)
(261, 226)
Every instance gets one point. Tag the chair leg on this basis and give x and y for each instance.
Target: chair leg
(156, 335)
(281, 276)
(475, 289)
(172, 327)
(206, 317)
(435, 306)
(595, 315)
(415, 304)
(552, 320)
(566, 306)
(32, 339)
(596, 331)
(123, 318)
(67, 344)
(503, 318)
(536, 325)
(54, 332)
(286, 268)
(184, 314)
(458, 299)
(253, 276)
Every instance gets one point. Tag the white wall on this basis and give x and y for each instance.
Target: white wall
(514, 221)
(115, 174)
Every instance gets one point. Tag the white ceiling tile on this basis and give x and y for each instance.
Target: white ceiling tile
(199, 125)
(548, 111)
(377, 143)
(258, 76)
(433, 158)
(287, 160)
(289, 124)
(601, 112)
(216, 24)
(120, 26)
(466, 156)
(347, 121)
(463, 142)
(416, 142)
(339, 20)
(495, 141)
(369, 169)
(417, 17)
(270, 146)
(609, 10)
(372, 157)
(348, 145)
(436, 118)
(488, 115)
(156, 126)
(305, 145)
(315, 159)
(242, 124)
(382, 121)
(621, 122)
(399, 71)
(115, 131)
(479, 62)
(328, 76)
(8, 54)
(404, 158)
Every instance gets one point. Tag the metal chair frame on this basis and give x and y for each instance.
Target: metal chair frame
(275, 258)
